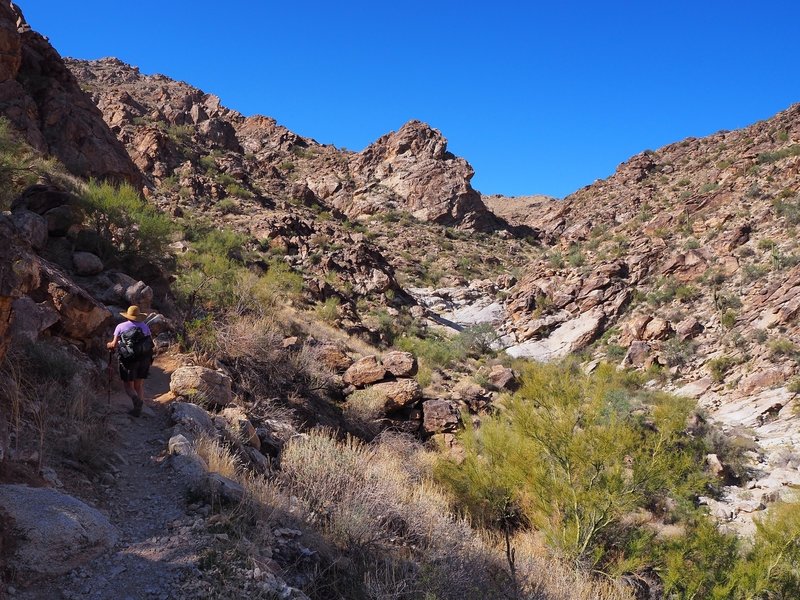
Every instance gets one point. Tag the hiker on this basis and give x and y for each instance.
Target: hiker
(134, 342)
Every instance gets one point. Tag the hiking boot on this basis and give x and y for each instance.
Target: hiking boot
(136, 411)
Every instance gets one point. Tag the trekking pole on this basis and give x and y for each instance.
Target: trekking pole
(108, 382)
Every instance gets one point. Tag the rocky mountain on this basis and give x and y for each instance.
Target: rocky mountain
(684, 264)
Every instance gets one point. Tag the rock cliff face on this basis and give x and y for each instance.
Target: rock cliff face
(408, 170)
(42, 99)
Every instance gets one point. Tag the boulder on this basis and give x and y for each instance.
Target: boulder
(503, 378)
(62, 218)
(274, 435)
(333, 358)
(573, 335)
(688, 328)
(32, 226)
(208, 387)
(139, 294)
(81, 315)
(398, 394)
(86, 263)
(41, 198)
(47, 533)
(637, 354)
(440, 416)
(240, 426)
(223, 489)
(364, 371)
(191, 419)
(657, 329)
(400, 364)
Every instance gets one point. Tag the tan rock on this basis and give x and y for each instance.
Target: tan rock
(400, 364)
(364, 371)
(81, 315)
(240, 426)
(398, 394)
(203, 385)
(657, 329)
(637, 355)
(333, 357)
(762, 379)
(503, 378)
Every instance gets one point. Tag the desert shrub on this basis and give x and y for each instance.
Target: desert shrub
(124, 221)
(728, 318)
(569, 459)
(782, 347)
(788, 209)
(328, 311)
(228, 207)
(362, 410)
(719, 367)
(677, 352)
(771, 157)
(435, 351)
(477, 340)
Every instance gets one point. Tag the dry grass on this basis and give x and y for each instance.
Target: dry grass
(53, 406)
(362, 412)
(218, 458)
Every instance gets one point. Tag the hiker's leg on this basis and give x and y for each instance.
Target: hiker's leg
(138, 384)
(130, 389)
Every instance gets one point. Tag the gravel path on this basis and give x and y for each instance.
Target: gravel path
(159, 535)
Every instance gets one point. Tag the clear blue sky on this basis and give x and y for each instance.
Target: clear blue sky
(540, 97)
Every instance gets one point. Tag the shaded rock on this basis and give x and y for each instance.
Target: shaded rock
(62, 219)
(81, 315)
(398, 394)
(364, 371)
(400, 364)
(86, 263)
(223, 489)
(32, 227)
(139, 294)
(637, 355)
(202, 385)
(274, 435)
(29, 319)
(41, 198)
(688, 328)
(49, 533)
(440, 416)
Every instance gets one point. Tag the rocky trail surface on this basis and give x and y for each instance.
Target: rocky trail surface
(158, 538)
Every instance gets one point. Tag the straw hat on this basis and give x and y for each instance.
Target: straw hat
(133, 314)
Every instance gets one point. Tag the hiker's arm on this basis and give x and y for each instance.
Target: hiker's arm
(113, 343)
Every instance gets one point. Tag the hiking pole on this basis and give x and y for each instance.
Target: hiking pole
(108, 383)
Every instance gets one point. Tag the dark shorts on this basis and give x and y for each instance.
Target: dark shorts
(138, 368)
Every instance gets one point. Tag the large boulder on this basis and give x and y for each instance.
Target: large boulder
(364, 371)
(81, 315)
(398, 394)
(400, 364)
(49, 533)
(203, 385)
(191, 420)
(33, 227)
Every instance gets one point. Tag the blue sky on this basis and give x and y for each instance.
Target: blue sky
(538, 97)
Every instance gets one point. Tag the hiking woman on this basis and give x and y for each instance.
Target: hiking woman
(135, 367)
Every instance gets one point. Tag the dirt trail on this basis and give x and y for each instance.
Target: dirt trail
(159, 537)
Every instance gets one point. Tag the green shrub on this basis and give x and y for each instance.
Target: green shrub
(328, 311)
(435, 351)
(124, 221)
(728, 319)
(568, 458)
(719, 367)
(782, 347)
(771, 157)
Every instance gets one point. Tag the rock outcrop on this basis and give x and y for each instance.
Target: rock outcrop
(52, 533)
(43, 100)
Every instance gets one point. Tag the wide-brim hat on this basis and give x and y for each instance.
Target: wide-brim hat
(133, 314)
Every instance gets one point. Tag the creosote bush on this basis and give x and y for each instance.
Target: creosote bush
(124, 222)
